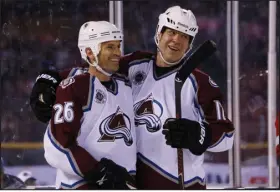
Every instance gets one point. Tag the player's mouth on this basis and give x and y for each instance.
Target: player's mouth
(115, 60)
(172, 48)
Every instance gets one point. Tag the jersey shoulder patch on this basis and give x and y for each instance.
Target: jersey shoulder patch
(212, 83)
(75, 81)
(66, 82)
(77, 87)
(204, 78)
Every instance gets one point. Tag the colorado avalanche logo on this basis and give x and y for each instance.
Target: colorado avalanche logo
(145, 113)
(116, 126)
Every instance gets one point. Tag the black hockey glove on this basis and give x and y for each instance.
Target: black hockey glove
(43, 92)
(109, 175)
(187, 134)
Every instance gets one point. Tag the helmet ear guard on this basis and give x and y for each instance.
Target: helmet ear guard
(92, 34)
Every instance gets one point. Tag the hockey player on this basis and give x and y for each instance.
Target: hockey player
(203, 126)
(90, 138)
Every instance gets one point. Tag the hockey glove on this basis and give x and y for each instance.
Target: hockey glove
(187, 134)
(43, 94)
(109, 175)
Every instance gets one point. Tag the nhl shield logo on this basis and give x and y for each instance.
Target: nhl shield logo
(139, 78)
(100, 96)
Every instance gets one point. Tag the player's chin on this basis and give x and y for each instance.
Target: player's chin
(173, 59)
(114, 68)
(173, 56)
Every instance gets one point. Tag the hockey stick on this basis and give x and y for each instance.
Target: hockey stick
(202, 53)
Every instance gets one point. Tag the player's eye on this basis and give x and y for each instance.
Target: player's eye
(185, 36)
(171, 32)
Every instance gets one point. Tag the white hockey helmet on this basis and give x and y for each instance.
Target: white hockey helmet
(178, 19)
(92, 34)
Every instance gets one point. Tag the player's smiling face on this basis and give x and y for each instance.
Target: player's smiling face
(173, 44)
(109, 56)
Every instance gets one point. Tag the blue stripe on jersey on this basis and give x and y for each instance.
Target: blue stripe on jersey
(166, 174)
(194, 180)
(87, 107)
(74, 185)
(156, 167)
(67, 152)
(72, 72)
(132, 172)
(228, 135)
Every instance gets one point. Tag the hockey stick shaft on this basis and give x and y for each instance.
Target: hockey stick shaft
(202, 53)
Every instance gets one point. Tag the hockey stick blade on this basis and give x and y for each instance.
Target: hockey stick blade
(202, 53)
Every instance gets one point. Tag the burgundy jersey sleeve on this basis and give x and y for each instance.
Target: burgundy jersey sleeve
(65, 125)
(129, 59)
(211, 101)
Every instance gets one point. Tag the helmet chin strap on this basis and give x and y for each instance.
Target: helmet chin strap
(94, 64)
(161, 56)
